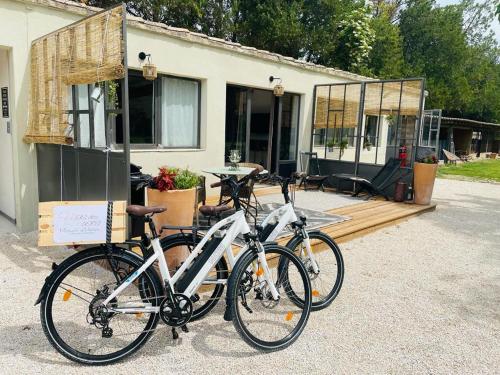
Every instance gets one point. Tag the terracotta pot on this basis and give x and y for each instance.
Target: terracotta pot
(424, 176)
(180, 211)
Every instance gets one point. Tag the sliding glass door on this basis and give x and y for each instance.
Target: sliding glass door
(263, 127)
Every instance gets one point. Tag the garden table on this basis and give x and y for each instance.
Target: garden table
(230, 171)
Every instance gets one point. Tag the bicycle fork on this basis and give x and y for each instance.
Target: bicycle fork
(310, 255)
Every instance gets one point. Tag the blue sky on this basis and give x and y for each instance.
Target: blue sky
(495, 26)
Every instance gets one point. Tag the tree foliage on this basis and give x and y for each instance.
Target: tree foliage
(453, 46)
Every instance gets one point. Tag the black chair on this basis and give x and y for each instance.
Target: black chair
(311, 173)
(377, 185)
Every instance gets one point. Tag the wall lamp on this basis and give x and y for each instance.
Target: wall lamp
(149, 70)
(278, 89)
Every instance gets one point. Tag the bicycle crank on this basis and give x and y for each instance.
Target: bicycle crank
(176, 311)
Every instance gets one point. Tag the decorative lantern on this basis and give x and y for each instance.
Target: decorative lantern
(278, 89)
(149, 70)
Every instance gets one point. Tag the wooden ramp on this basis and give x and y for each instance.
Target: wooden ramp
(366, 217)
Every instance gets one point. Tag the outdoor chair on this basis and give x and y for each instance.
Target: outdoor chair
(452, 158)
(311, 173)
(375, 186)
(246, 193)
(463, 155)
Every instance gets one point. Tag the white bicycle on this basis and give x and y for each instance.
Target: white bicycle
(318, 251)
(103, 303)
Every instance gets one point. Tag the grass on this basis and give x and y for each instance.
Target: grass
(477, 170)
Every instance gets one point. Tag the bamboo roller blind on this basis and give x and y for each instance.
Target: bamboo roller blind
(384, 98)
(85, 52)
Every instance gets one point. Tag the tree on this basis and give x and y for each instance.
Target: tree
(386, 56)
(272, 25)
(461, 67)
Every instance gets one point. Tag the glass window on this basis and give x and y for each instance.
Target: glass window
(179, 112)
(289, 127)
(141, 109)
(236, 121)
(99, 124)
(82, 97)
(84, 130)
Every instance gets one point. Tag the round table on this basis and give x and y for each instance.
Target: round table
(229, 171)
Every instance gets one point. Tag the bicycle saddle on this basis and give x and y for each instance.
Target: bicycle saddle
(213, 210)
(138, 210)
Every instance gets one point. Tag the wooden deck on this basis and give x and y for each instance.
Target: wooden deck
(366, 217)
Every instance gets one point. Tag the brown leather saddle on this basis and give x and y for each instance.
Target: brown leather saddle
(137, 210)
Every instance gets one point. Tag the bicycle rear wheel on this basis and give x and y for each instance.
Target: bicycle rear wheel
(265, 323)
(72, 316)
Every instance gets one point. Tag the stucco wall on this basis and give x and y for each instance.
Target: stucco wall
(216, 68)
(21, 22)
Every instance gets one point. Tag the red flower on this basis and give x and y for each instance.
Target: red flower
(165, 179)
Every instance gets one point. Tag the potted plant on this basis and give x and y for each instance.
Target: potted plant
(342, 146)
(330, 144)
(174, 189)
(424, 175)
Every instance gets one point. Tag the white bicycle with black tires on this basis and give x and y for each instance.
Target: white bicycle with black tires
(102, 304)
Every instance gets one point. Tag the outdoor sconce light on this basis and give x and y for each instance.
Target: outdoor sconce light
(278, 89)
(149, 70)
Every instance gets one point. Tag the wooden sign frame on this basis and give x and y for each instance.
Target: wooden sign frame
(46, 225)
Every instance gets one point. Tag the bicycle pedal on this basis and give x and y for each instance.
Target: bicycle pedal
(185, 328)
(175, 335)
(195, 298)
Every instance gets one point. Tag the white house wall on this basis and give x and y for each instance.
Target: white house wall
(23, 21)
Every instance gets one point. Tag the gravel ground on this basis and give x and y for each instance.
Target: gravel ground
(419, 297)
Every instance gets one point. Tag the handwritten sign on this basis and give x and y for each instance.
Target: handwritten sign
(84, 224)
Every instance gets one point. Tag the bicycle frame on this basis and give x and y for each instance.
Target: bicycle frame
(238, 225)
(281, 217)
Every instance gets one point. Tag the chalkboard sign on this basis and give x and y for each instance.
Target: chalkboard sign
(5, 102)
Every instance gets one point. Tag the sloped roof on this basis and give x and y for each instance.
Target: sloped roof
(466, 121)
(184, 34)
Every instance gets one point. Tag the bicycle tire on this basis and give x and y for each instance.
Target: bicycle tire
(63, 270)
(330, 242)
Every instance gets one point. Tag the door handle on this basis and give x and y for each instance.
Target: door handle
(8, 126)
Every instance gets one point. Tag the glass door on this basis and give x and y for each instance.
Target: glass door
(237, 118)
(286, 126)
(263, 127)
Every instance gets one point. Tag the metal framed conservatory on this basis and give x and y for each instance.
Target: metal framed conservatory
(358, 126)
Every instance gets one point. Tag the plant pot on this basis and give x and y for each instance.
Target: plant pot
(493, 155)
(369, 148)
(424, 176)
(330, 149)
(180, 211)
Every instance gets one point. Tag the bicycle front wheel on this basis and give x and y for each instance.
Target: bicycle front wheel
(327, 282)
(266, 323)
(74, 319)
